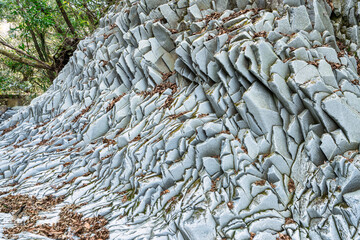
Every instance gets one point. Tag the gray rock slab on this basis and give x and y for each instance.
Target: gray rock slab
(163, 36)
(170, 15)
(195, 12)
(344, 115)
(263, 110)
(301, 20)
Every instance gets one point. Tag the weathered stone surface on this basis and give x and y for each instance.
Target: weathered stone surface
(301, 20)
(186, 125)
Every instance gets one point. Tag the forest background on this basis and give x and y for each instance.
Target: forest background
(39, 36)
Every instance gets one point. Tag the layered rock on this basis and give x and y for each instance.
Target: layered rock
(200, 119)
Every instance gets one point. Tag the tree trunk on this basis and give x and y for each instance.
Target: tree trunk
(43, 46)
(59, 30)
(65, 16)
(33, 36)
(51, 74)
(76, 16)
(35, 41)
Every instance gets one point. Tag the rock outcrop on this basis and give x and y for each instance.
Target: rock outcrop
(202, 120)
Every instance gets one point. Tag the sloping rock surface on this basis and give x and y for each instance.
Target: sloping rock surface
(201, 120)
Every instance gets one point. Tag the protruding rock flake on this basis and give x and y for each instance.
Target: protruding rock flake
(194, 120)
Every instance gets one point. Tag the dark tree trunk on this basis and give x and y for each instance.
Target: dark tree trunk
(32, 33)
(35, 41)
(65, 16)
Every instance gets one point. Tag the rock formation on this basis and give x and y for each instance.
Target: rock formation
(202, 119)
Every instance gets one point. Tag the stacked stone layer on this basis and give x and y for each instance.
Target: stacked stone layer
(202, 120)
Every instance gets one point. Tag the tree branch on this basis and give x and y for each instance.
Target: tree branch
(26, 61)
(21, 52)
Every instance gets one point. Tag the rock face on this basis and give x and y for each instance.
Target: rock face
(202, 120)
(6, 113)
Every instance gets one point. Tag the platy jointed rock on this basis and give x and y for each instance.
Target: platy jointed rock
(194, 120)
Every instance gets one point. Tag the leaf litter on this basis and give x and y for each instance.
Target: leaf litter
(71, 225)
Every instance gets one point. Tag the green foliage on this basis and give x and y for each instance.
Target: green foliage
(39, 29)
(19, 78)
(9, 83)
